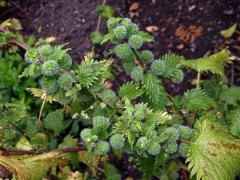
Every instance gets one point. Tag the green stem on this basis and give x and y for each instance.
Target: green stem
(39, 123)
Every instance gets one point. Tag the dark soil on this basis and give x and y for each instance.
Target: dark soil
(72, 22)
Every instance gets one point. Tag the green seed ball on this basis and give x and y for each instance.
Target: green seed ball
(132, 29)
(49, 85)
(102, 148)
(158, 67)
(46, 50)
(185, 132)
(122, 51)
(101, 121)
(139, 111)
(117, 141)
(154, 149)
(147, 56)
(126, 22)
(137, 73)
(142, 143)
(171, 147)
(112, 23)
(135, 41)
(120, 32)
(50, 68)
(65, 61)
(170, 134)
(34, 70)
(178, 76)
(86, 135)
(183, 149)
(31, 55)
(109, 96)
(65, 82)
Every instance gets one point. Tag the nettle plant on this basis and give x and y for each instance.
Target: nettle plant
(87, 122)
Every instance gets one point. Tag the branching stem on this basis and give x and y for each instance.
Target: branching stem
(14, 152)
(39, 122)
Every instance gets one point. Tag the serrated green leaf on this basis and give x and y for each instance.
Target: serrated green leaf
(146, 37)
(107, 37)
(214, 63)
(234, 119)
(231, 96)
(130, 90)
(54, 121)
(227, 33)
(197, 99)
(215, 154)
(154, 91)
(96, 37)
(106, 11)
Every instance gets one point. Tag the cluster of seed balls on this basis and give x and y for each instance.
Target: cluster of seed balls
(129, 40)
(52, 65)
(166, 140)
(101, 147)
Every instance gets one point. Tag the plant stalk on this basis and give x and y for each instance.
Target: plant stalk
(39, 122)
(14, 152)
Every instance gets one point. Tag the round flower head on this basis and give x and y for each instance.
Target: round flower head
(120, 32)
(46, 50)
(34, 70)
(185, 132)
(147, 56)
(108, 96)
(102, 148)
(170, 134)
(65, 61)
(132, 29)
(49, 85)
(31, 55)
(101, 121)
(126, 22)
(135, 41)
(154, 148)
(117, 141)
(142, 143)
(122, 51)
(86, 134)
(137, 73)
(112, 23)
(50, 68)
(158, 67)
(178, 76)
(65, 82)
(171, 147)
(139, 111)
(183, 149)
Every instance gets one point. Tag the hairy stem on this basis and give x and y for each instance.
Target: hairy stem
(20, 44)
(100, 17)
(14, 152)
(39, 122)
(138, 58)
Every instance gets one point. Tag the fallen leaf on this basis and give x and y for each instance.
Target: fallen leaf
(50, 39)
(151, 28)
(227, 33)
(180, 46)
(134, 7)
